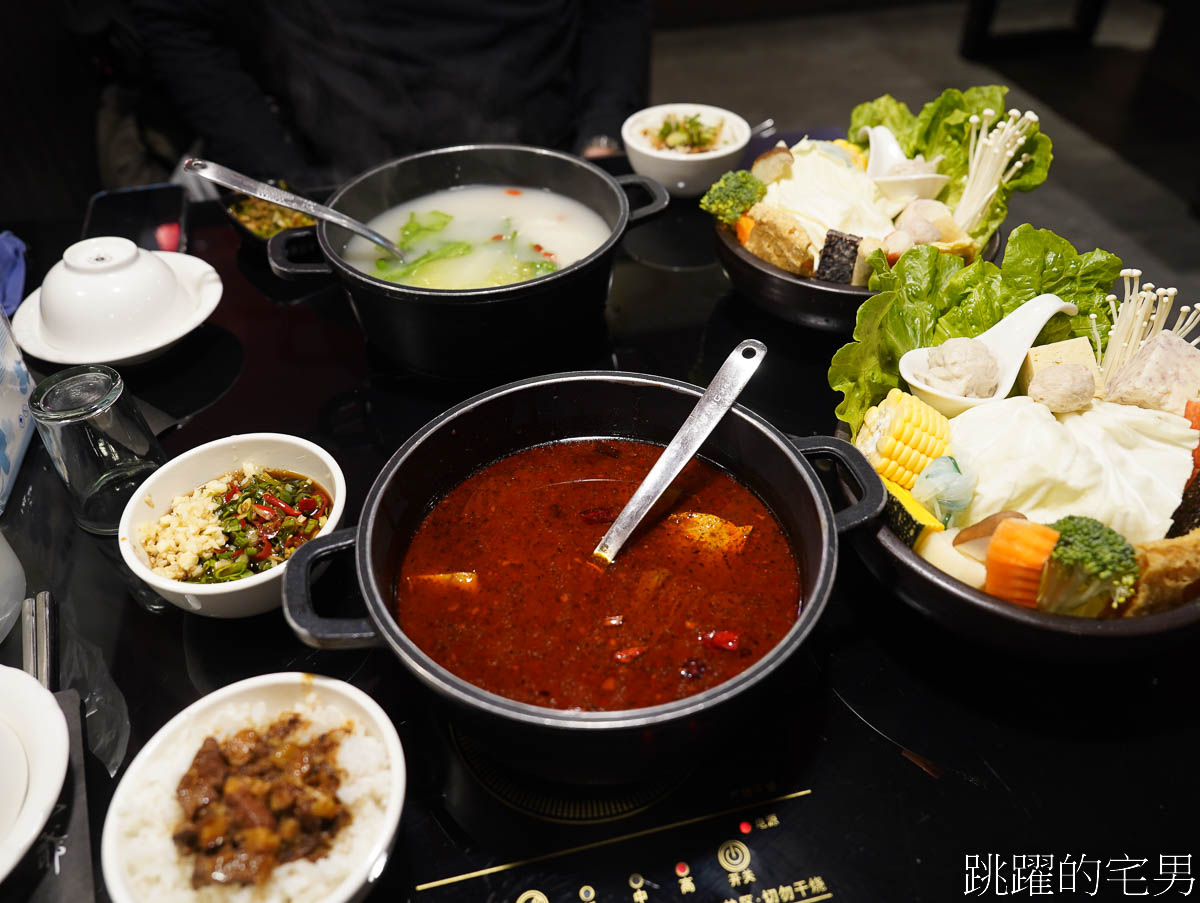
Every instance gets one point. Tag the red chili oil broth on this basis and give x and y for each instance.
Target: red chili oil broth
(542, 623)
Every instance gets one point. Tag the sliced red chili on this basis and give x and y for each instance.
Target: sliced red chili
(266, 551)
(624, 656)
(497, 238)
(233, 490)
(280, 504)
(308, 505)
(598, 516)
(721, 639)
(269, 522)
(511, 191)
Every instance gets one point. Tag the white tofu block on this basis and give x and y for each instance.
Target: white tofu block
(1073, 351)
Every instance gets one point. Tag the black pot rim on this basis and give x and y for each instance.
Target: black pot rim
(464, 693)
(478, 295)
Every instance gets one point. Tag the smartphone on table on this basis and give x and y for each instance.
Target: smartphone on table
(151, 216)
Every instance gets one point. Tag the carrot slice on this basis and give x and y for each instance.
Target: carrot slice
(744, 226)
(1192, 413)
(1015, 558)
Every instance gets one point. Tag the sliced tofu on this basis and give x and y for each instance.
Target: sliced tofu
(713, 533)
(1164, 375)
(1073, 351)
(466, 581)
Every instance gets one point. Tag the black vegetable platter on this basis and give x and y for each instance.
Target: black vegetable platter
(1003, 625)
(804, 301)
(801, 300)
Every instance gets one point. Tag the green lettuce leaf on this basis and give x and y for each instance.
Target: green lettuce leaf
(885, 110)
(422, 226)
(1038, 261)
(393, 270)
(973, 301)
(929, 297)
(889, 324)
(943, 128)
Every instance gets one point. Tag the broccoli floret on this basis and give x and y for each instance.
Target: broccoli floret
(1092, 570)
(732, 195)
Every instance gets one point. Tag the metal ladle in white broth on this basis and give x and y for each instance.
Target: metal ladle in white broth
(718, 398)
(223, 175)
(1009, 341)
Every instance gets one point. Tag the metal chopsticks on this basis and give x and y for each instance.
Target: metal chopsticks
(38, 629)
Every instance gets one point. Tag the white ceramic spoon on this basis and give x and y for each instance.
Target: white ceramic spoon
(15, 770)
(1009, 340)
(886, 154)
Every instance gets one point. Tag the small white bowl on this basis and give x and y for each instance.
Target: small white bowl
(109, 301)
(279, 693)
(682, 174)
(271, 451)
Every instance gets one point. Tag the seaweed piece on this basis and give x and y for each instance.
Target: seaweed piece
(838, 256)
(1187, 516)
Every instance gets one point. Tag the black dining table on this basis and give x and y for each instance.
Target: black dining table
(895, 760)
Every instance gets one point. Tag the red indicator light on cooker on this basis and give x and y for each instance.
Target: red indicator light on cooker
(744, 827)
(681, 869)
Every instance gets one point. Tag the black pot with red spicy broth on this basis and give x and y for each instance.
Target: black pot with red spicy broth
(499, 586)
(572, 745)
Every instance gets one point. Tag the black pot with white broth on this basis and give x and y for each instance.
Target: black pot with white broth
(469, 334)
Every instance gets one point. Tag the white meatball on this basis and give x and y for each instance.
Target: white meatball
(1063, 387)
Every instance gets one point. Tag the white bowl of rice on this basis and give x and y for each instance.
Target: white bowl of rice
(139, 856)
(176, 534)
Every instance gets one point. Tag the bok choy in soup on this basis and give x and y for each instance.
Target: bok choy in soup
(480, 236)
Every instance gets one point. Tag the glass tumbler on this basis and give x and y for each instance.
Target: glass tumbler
(98, 440)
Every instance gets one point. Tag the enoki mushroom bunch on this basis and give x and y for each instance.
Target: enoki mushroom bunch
(992, 160)
(1141, 316)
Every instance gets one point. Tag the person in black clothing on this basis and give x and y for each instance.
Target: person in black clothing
(336, 86)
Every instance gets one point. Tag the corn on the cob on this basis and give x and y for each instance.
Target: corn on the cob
(901, 435)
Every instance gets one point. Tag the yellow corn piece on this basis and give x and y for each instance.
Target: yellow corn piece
(901, 435)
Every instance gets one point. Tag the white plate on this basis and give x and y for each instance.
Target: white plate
(197, 280)
(41, 729)
(278, 692)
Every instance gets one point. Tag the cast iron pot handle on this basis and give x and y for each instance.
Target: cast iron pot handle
(870, 488)
(311, 628)
(279, 256)
(658, 196)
